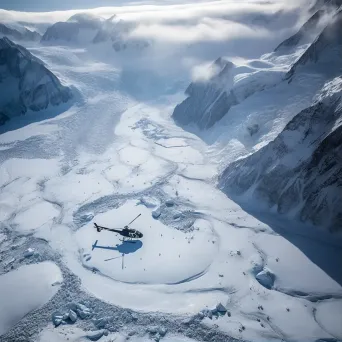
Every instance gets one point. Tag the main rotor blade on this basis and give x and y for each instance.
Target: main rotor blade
(102, 227)
(116, 230)
(133, 220)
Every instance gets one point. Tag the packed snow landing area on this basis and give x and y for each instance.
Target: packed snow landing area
(109, 158)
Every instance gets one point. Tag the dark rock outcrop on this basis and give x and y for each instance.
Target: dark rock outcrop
(207, 101)
(25, 83)
(304, 33)
(300, 172)
(325, 50)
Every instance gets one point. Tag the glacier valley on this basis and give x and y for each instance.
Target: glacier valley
(238, 181)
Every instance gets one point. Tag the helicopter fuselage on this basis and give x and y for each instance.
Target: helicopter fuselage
(126, 232)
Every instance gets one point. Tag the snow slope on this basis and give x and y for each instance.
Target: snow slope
(26, 289)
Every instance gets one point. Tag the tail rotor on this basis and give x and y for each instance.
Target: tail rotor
(98, 228)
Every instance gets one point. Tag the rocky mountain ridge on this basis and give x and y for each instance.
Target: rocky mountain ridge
(300, 172)
(25, 82)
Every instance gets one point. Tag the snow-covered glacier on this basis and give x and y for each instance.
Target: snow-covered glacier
(25, 83)
(212, 265)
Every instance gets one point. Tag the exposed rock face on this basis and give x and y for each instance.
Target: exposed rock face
(24, 34)
(207, 101)
(305, 32)
(211, 99)
(300, 172)
(325, 50)
(25, 83)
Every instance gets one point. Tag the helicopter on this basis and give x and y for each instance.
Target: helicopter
(126, 232)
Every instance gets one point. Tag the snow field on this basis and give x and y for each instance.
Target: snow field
(20, 179)
(26, 289)
(328, 316)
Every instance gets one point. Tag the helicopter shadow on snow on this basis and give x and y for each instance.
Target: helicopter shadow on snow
(124, 248)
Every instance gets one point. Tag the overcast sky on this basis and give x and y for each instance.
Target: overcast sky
(53, 5)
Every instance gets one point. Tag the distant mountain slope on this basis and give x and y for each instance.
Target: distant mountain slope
(89, 29)
(309, 29)
(116, 31)
(25, 83)
(23, 34)
(210, 100)
(207, 101)
(324, 54)
(78, 28)
(300, 172)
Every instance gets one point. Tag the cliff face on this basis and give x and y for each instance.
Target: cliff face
(207, 101)
(300, 172)
(25, 83)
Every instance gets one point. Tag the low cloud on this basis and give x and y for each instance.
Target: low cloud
(206, 29)
(188, 36)
(204, 72)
